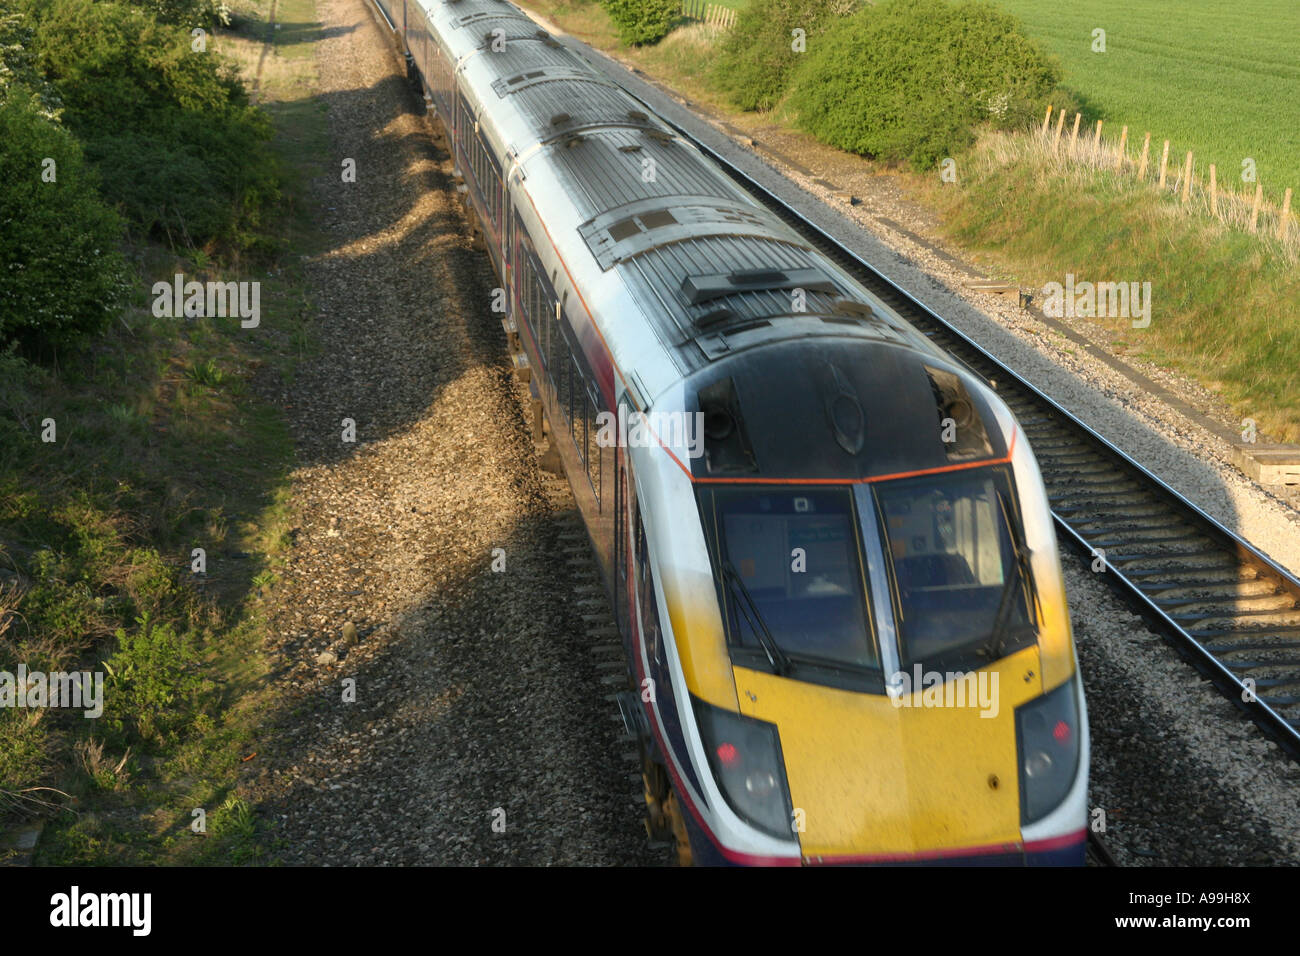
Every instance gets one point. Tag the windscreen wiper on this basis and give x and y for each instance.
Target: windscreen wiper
(993, 647)
(778, 658)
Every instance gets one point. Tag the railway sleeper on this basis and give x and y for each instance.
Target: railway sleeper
(1286, 700)
(1278, 644)
(1050, 467)
(1118, 490)
(1193, 592)
(1289, 678)
(1260, 602)
(1060, 440)
(1110, 479)
(1173, 559)
(1070, 461)
(1262, 619)
(1145, 536)
(1138, 528)
(1172, 577)
(1084, 513)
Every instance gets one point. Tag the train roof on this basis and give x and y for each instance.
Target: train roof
(640, 219)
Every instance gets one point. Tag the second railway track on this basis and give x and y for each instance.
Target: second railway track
(1228, 608)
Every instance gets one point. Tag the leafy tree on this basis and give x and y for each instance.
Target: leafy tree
(17, 69)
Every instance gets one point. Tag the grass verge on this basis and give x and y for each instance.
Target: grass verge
(161, 446)
(1222, 301)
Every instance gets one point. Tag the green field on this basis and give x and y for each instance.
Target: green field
(1216, 77)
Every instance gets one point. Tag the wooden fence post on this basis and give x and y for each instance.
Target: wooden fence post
(1060, 125)
(1187, 177)
(1284, 220)
(1096, 140)
(1164, 161)
(1123, 143)
(1214, 192)
(1254, 208)
(1047, 120)
(1142, 167)
(1075, 135)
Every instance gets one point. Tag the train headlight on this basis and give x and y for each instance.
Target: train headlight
(1047, 740)
(745, 757)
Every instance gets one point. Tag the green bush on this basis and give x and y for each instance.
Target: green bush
(758, 55)
(911, 79)
(154, 689)
(185, 154)
(24, 749)
(61, 274)
(643, 21)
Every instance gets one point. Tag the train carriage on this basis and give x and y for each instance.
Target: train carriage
(827, 544)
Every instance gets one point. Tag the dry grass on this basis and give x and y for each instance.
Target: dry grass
(1223, 299)
(1077, 161)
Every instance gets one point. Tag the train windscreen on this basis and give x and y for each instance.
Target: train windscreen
(790, 563)
(962, 579)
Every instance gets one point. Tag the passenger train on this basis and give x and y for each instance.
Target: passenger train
(832, 562)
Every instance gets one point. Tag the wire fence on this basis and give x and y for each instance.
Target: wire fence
(1202, 189)
(710, 13)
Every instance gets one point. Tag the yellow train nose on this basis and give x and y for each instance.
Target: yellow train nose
(916, 773)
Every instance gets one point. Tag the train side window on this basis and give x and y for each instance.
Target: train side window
(593, 446)
(527, 283)
(555, 346)
(557, 341)
(578, 423)
(522, 273)
(638, 537)
(541, 325)
(496, 201)
(563, 368)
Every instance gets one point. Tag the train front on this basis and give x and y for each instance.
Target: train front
(853, 614)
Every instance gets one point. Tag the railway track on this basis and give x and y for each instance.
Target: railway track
(1228, 609)
(1098, 852)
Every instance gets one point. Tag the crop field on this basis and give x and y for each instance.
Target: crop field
(1219, 78)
